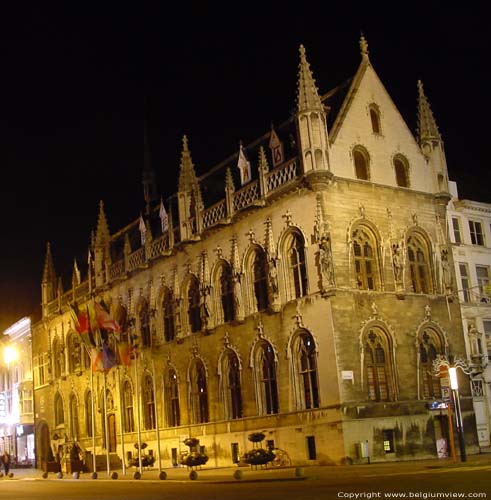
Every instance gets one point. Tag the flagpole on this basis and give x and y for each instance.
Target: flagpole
(138, 412)
(121, 409)
(106, 430)
(93, 413)
(156, 414)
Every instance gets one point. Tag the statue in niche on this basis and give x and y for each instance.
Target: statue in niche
(325, 261)
(397, 262)
(273, 277)
(446, 276)
(237, 293)
(473, 334)
(205, 306)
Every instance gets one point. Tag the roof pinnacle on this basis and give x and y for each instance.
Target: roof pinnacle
(427, 128)
(363, 46)
(307, 95)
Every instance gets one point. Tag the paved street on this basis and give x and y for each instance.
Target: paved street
(415, 479)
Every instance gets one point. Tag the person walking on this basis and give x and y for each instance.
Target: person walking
(6, 462)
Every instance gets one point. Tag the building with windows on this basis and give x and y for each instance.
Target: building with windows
(470, 235)
(300, 288)
(16, 393)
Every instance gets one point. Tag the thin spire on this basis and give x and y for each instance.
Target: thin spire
(427, 128)
(149, 182)
(49, 275)
(363, 46)
(307, 94)
(102, 232)
(76, 278)
(187, 175)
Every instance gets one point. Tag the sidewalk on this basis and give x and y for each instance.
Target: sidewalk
(226, 474)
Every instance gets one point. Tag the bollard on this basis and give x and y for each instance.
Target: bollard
(163, 475)
(193, 475)
(45, 475)
(137, 475)
(238, 474)
(76, 475)
(59, 475)
(94, 475)
(114, 475)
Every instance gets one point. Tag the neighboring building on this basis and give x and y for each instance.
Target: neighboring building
(470, 234)
(306, 297)
(16, 393)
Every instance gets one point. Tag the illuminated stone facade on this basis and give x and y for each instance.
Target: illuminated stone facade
(307, 303)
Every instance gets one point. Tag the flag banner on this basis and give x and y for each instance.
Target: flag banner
(164, 218)
(143, 230)
(108, 356)
(81, 321)
(244, 166)
(125, 352)
(276, 147)
(104, 319)
(96, 359)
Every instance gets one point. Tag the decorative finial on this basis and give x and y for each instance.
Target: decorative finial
(363, 46)
(185, 143)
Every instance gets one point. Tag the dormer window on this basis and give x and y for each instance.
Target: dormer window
(375, 119)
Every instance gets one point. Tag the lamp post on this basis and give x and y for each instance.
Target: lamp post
(454, 385)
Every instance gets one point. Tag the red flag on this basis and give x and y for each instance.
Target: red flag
(96, 358)
(104, 319)
(81, 320)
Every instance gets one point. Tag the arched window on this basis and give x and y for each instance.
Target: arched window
(266, 384)
(88, 414)
(418, 256)
(148, 400)
(304, 358)
(144, 317)
(378, 367)
(169, 313)
(59, 413)
(129, 419)
(194, 313)
(296, 271)
(226, 288)
(430, 346)
(401, 170)
(172, 398)
(260, 279)
(74, 353)
(74, 427)
(365, 258)
(375, 119)
(57, 360)
(361, 160)
(198, 392)
(232, 394)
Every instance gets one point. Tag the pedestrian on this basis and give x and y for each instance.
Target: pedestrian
(6, 462)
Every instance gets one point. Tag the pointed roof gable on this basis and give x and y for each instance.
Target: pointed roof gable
(307, 92)
(187, 174)
(102, 232)
(49, 275)
(427, 128)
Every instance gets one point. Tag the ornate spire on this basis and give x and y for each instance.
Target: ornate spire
(263, 161)
(234, 258)
(187, 175)
(427, 128)
(363, 47)
(307, 95)
(269, 239)
(229, 181)
(150, 194)
(49, 275)
(76, 279)
(102, 232)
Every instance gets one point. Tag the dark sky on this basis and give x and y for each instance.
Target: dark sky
(77, 86)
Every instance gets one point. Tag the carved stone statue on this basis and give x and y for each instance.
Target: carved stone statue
(325, 262)
(397, 262)
(446, 276)
(273, 277)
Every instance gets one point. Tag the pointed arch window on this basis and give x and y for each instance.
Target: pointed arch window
(198, 392)
(430, 346)
(169, 313)
(59, 413)
(74, 426)
(144, 317)
(361, 161)
(296, 271)
(231, 385)
(226, 292)
(401, 170)
(260, 279)
(267, 387)
(304, 357)
(375, 119)
(172, 398)
(88, 414)
(378, 369)
(365, 258)
(129, 419)
(148, 400)
(418, 256)
(194, 313)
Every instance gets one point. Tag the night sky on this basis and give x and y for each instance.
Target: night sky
(78, 85)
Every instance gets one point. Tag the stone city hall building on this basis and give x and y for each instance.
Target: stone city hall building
(304, 294)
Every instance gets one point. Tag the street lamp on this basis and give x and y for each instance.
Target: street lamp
(10, 355)
(454, 385)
